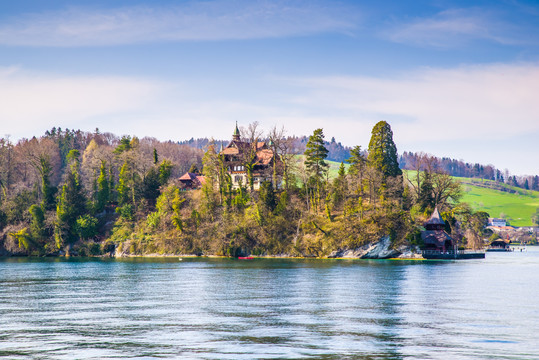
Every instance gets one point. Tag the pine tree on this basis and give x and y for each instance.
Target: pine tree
(155, 156)
(383, 151)
(357, 163)
(37, 225)
(71, 203)
(103, 190)
(340, 187)
(48, 191)
(315, 155)
(123, 185)
(316, 166)
(425, 196)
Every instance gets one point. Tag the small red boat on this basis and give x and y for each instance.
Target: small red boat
(245, 258)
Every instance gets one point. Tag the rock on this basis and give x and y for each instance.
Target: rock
(378, 250)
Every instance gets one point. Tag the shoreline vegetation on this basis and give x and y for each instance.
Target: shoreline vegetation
(71, 193)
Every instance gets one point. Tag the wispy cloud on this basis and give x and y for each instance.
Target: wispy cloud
(464, 102)
(443, 111)
(488, 114)
(33, 102)
(456, 27)
(187, 21)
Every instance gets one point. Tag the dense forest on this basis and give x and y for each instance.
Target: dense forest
(77, 193)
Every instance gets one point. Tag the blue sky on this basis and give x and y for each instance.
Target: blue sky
(453, 78)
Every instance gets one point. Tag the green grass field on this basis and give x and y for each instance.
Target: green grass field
(517, 208)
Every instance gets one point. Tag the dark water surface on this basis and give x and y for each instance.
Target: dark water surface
(270, 309)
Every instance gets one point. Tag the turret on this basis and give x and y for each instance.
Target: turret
(435, 222)
(236, 135)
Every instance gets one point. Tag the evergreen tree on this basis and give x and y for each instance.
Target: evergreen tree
(71, 204)
(103, 189)
(150, 186)
(155, 156)
(194, 169)
(267, 195)
(125, 144)
(535, 183)
(47, 190)
(37, 225)
(316, 166)
(425, 196)
(315, 155)
(165, 171)
(382, 150)
(123, 188)
(340, 187)
(357, 163)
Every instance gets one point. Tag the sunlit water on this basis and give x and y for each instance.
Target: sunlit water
(270, 309)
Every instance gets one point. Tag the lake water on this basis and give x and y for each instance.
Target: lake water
(270, 308)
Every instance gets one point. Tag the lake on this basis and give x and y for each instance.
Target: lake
(204, 308)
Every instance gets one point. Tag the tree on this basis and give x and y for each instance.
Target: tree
(284, 152)
(71, 203)
(316, 166)
(251, 135)
(446, 190)
(535, 217)
(267, 196)
(155, 156)
(6, 166)
(103, 189)
(211, 171)
(124, 145)
(86, 226)
(340, 187)
(47, 190)
(37, 225)
(42, 156)
(425, 192)
(123, 188)
(383, 151)
(357, 163)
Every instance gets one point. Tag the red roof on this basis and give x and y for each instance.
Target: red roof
(188, 177)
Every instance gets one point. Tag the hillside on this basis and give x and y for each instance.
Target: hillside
(498, 199)
(517, 206)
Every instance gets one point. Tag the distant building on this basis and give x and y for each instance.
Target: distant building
(190, 181)
(434, 237)
(236, 156)
(499, 245)
(497, 222)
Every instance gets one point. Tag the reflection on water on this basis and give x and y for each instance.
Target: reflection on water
(270, 309)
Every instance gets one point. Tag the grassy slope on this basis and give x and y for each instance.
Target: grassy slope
(518, 208)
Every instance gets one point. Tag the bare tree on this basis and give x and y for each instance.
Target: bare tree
(446, 190)
(6, 165)
(250, 135)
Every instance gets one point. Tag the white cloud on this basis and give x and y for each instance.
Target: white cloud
(33, 102)
(466, 101)
(481, 113)
(486, 114)
(454, 27)
(187, 21)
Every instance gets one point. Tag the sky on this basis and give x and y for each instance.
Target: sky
(456, 79)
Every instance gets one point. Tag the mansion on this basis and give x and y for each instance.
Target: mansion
(237, 153)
